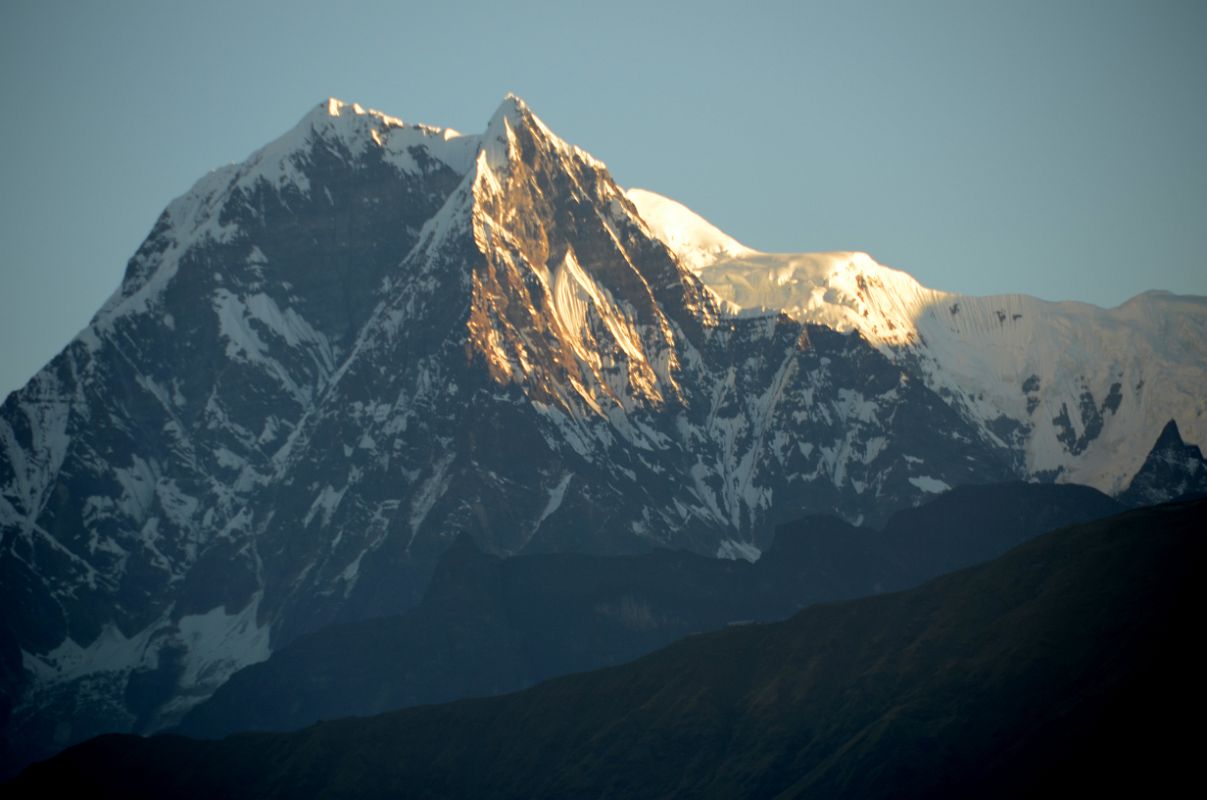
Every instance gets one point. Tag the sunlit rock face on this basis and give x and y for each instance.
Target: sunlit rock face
(327, 361)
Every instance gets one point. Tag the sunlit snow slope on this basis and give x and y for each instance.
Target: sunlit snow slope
(1081, 391)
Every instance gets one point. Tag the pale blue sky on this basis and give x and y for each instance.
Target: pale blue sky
(1052, 148)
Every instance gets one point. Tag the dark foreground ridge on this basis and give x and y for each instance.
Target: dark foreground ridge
(490, 625)
(1058, 666)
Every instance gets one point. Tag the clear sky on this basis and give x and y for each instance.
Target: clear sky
(1055, 148)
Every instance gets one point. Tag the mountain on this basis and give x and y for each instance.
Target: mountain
(1061, 666)
(328, 360)
(1173, 468)
(1076, 392)
(489, 625)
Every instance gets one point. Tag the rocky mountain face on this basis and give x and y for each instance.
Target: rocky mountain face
(1173, 469)
(327, 361)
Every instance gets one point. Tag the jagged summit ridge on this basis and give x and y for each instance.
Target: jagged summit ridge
(332, 129)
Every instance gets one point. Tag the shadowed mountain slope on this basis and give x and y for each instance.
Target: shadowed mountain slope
(490, 625)
(1056, 666)
(1173, 468)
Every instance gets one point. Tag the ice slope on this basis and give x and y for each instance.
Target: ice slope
(1081, 391)
(697, 243)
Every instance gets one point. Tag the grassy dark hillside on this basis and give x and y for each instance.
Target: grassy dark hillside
(490, 625)
(1061, 666)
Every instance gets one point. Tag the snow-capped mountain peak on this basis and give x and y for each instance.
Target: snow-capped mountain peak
(370, 334)
(844, 290)
(697, 242)
(1079, 390)
(511, 110)
(334, 130)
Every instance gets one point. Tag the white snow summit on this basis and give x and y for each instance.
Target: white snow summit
(1085, 390)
